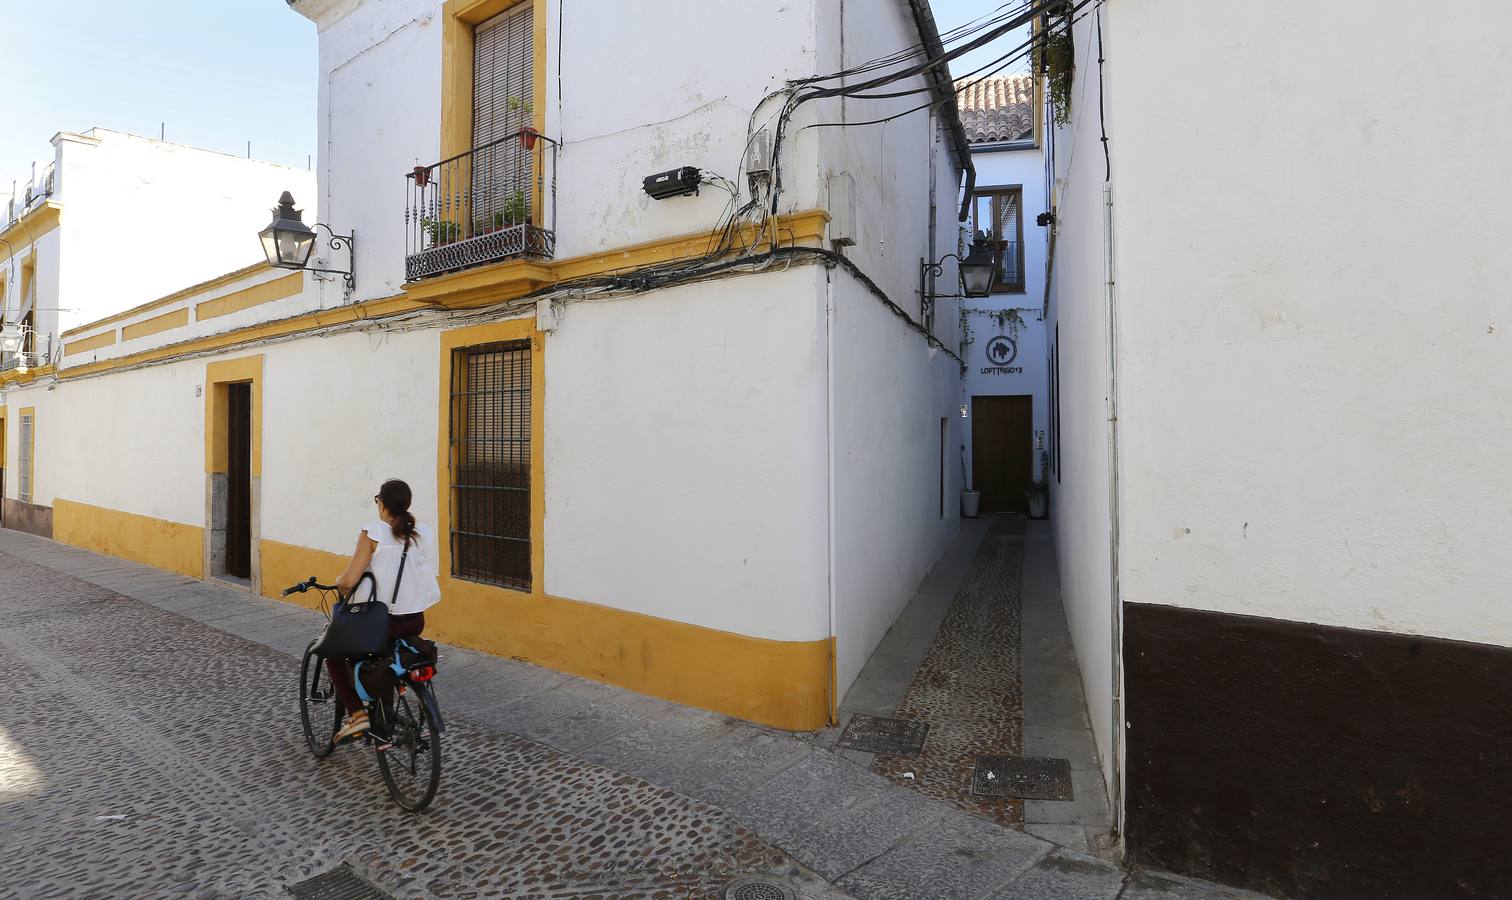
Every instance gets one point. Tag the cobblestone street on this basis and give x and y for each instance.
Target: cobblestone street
(151, 747)
(145, 754)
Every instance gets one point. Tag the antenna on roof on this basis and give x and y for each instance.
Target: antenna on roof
(162, 131)
(249, 149)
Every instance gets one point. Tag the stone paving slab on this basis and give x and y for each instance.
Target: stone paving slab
(124, 786)
(690, 756)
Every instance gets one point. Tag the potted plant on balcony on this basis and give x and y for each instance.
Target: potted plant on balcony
(516, 210)
(441, 231)
(1038, 495)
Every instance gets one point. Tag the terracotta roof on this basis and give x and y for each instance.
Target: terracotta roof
(998, 108)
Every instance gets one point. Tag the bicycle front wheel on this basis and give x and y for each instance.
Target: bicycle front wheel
(411, 759)
(319, 708)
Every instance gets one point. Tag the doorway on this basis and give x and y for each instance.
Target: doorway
(1002, 451)
(239, 480)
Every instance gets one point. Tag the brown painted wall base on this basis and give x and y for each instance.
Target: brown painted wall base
(28, 517)
(1307, 761)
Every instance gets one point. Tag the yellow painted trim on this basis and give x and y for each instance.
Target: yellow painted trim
(203, 287)
(31, 464)
(178, 318)
(247, 369)
(14, 378)
(277, 289)
(778, 683)
(33, 225)
(82, 345)
(171, 546)
(474, 287)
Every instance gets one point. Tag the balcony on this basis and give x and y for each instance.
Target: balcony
(37, 190)
(484, 206)
(28, 353)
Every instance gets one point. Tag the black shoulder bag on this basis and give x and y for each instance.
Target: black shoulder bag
(360, 627)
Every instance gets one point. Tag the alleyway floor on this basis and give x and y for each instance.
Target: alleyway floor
(151, 747)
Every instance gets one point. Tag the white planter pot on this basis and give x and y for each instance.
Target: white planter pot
(970, 502)
(1037, 507)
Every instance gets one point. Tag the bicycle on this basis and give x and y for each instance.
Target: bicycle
(406, 720)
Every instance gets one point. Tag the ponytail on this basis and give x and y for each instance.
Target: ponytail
(396, 497)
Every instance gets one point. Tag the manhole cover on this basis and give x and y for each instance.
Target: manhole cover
(341, 883)
(1027, 779)
(758, 889)
(874, 734)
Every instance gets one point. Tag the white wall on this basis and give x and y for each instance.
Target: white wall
(890, 391)
(134, 442)
(685, 455)
(1315, 323)
(1079, 495)
(118, 190)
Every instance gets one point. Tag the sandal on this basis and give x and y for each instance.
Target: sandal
(352, 726)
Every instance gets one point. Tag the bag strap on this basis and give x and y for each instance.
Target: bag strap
(394, 601)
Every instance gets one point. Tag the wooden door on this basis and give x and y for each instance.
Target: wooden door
(239, 480)
(1002, 451)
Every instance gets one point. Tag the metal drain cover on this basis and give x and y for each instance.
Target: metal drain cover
(341, 883)
(759, 888)
(874, 734)
(1027, 779)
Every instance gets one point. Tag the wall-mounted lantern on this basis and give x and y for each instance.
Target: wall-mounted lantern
(977, 272)
(288, 242)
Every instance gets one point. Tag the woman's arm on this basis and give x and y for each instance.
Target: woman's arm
(359, 564)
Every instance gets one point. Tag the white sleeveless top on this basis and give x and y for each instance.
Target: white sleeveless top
(418, 588)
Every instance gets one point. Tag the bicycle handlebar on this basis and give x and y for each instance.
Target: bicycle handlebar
(306, 585)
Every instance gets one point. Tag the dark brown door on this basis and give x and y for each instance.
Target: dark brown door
(239, 480)
(1002, 447)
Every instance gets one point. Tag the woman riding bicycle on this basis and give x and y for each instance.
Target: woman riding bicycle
(380, 546)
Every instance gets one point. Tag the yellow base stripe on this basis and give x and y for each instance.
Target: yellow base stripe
(784, 684)
(171, 546)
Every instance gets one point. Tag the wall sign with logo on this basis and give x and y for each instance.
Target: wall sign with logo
(1001, 351)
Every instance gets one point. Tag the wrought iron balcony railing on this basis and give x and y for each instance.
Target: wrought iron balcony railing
(487, 205)
(31, 352)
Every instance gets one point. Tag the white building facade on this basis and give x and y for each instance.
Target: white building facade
(1003, 336)
(1279, 478)
(113, 222)
(702, 446)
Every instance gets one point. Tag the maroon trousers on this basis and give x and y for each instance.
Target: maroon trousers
(341, 669)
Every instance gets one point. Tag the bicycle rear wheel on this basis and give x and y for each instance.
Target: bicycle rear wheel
(318, 704)
(411, 763)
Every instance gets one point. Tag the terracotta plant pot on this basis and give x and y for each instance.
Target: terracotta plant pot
(422, 176)
(528, 138)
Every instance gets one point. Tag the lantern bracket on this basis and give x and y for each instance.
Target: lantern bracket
(341, 242)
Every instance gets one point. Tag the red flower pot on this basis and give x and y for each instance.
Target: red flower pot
(528, 138)
(422, 176)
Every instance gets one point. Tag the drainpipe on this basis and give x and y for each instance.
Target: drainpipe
(1115, 790)
(829, 450)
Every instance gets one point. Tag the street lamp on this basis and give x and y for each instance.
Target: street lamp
(977, 272)
(12, 341)
(288, 242)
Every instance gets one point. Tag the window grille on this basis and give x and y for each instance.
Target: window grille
(490, 464)
(26, 449)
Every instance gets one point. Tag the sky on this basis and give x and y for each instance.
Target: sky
(955, 13)
(211, 73)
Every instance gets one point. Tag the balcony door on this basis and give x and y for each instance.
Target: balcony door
(997, 212)
(503, 96)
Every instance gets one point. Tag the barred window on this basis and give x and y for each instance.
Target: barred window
(28, 443)
(490, 464)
